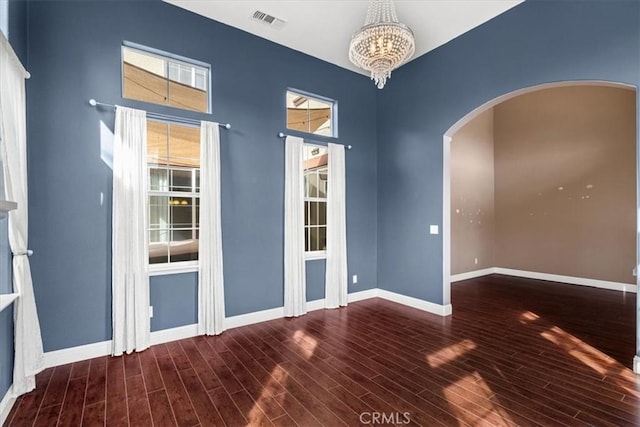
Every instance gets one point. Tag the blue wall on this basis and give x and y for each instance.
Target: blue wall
(18, 28)
(174, 298)
(74, 52)
(534, 43)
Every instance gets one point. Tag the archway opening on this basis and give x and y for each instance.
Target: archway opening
(518, 202)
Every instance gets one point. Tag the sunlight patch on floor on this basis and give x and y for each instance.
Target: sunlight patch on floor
(272, 393)
(590, 356)
(600, 362)
(593, 358)
(528, 316)
(306, 342)
(450, 353)
(478, 408)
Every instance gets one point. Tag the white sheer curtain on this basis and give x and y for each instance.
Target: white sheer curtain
(210, 271)
(13, 140)
(295, 292)
(130, 247)
(336, 274)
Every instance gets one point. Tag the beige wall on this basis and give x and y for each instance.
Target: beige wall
(545, 182)
(565, 195)
(472, 194)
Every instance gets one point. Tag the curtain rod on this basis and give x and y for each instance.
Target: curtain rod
(153, 115)
(284, 135)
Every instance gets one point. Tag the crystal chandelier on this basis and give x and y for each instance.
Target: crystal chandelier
(383, 44)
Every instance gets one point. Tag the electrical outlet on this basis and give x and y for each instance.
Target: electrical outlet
(475, 260)
(433, 229)
(150, 312)
(355, 278)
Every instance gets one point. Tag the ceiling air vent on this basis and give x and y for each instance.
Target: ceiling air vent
(269, 20)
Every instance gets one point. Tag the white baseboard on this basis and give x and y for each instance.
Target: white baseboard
(315, 305)
(362, 295)
(581, 281)
(472, 274)
(278, 313)
(99, 349)
(439, 309)
(255, 317)
(636, 366)
(76, 354)
(6, 404)
(174, 334)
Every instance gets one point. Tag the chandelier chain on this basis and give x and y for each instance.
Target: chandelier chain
(381, 11)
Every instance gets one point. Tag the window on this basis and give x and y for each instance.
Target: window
(311, 114)
(163, 79)
(173, 162)
(315, 198)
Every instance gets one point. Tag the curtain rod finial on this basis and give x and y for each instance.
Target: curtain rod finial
(93, 102)
(281, 135)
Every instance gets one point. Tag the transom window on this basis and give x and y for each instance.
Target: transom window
(173, 162)
(311, 114)
(164, 79)
(315, 198)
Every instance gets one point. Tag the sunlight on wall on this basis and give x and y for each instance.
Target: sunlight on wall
(306, 343)
(4, 17)
(450, 353)
(479, 408)
(106, 145)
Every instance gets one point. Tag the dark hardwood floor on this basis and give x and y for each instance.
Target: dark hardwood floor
(515, 352)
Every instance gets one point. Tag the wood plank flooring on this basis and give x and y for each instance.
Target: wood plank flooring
(515, 352)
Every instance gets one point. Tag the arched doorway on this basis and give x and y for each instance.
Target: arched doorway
(447, 139)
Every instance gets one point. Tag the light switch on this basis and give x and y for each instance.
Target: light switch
(433, 229)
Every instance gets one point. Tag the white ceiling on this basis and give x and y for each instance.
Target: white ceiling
(324, 28)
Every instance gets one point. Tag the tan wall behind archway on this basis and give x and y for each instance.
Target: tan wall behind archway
(565, 182)
(564, 187)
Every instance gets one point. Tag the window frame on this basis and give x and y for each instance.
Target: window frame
(171, 57)
(334, 112)
(177, 267)
(321, 254)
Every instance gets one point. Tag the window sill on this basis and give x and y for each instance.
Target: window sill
(177, 268)
(311, 256)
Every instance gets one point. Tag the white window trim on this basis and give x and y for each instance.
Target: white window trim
(311, 256)
(173, 268)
